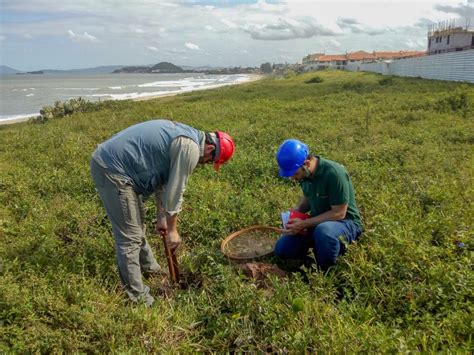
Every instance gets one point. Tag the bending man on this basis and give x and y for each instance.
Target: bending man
(150, 157)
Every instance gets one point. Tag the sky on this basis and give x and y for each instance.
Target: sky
(63, 34)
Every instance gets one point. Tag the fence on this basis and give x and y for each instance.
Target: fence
(453, 66)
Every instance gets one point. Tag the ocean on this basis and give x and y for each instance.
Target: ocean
(24, 95)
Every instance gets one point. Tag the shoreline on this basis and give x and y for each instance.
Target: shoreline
(252, 78)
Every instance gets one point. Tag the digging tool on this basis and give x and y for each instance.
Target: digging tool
(172, 262)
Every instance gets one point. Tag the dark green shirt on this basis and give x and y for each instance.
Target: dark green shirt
(330, 186)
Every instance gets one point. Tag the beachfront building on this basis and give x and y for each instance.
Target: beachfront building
(311, 61)
(320, 61)
(359, 57)
(451, 36)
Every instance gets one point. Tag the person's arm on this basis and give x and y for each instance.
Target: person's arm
(336, 213)
(303, 205)
(161, 225)
(184, 156)
(338, 191)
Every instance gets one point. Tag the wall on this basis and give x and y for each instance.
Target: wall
(453, 66)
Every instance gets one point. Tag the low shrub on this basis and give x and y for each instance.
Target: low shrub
(386, 81)
(457, 101)
(314, 80)
(61, 109)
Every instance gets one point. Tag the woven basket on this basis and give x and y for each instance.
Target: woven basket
(244, 231)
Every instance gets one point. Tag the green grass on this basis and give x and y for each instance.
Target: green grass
(405, 286)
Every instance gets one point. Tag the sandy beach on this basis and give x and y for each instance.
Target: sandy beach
(251, 78)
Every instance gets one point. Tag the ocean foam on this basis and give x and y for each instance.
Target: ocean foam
(85, 89)
(17, 118)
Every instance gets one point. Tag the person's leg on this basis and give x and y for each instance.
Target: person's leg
(327, 245)
(122, 207)
(148, 262)
(292, 247)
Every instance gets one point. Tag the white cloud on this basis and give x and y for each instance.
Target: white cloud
(416, 44)
(289, 28)
(191, 46)
(334, 43)
(137, 30)
(461, 10)
(355, 26)
(209, 28)
(151, 48)
(228, 23)
(263, 6)
(2, 38)
(86, 37)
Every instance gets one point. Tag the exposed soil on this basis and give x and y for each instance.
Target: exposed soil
(260, 272)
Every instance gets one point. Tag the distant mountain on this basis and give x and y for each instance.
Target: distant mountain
(95, 70)
(163, 67)
(7, 70)
(132, 69)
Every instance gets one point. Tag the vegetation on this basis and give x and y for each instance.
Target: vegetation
(406, 286)
(162, 67)
(314, 80)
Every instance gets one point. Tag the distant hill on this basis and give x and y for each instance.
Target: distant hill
(94, 70)
(7, 70)
(163, 67)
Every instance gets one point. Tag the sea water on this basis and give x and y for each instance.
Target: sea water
(24, 95)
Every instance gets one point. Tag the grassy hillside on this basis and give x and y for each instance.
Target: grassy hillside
(408, 145)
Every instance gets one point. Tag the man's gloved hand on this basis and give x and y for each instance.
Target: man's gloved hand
(173, 240)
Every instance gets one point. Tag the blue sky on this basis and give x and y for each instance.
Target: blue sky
(61, 34)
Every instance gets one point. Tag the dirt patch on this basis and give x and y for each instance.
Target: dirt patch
(166, 288)
(261, 272)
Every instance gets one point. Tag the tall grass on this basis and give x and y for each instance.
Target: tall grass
(405, 286)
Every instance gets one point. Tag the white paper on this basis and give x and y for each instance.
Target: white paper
(285, 216)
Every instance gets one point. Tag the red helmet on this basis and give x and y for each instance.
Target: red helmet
(226, 149)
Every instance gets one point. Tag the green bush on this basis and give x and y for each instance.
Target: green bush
(66, 108)
(314, 80)
(458, 101)
(386, 81)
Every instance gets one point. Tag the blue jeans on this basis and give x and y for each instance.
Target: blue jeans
(324, 239)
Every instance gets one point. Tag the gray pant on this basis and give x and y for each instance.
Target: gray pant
(127, 215)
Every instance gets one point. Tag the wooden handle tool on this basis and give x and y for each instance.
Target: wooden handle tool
(172, 262)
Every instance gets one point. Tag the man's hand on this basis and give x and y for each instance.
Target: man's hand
(173, 240)
(294, 226)
(161, 225)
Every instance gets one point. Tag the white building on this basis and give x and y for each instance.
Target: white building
(451, 36)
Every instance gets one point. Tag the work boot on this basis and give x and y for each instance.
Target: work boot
(156, 270)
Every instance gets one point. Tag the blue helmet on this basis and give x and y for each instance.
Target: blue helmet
(290, 156)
